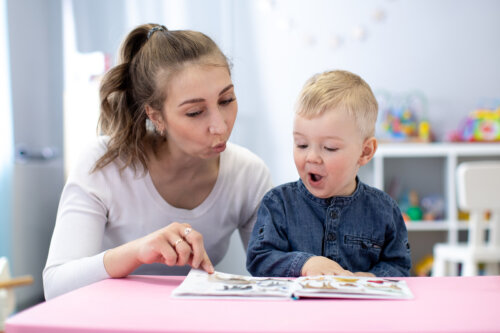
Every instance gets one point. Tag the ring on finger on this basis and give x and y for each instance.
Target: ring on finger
(187, 231)
(177, 242)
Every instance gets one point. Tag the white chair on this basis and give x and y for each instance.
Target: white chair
(478, 192)
(7, 299)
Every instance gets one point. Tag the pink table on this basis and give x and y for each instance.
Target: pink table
(143, 304)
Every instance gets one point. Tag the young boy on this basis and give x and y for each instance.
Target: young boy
(329, 222)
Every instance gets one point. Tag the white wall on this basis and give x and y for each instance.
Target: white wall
(446, 49)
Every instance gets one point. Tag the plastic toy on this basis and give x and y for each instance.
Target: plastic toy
(424, 266)
(414, 211)
(424, 130)
(428, 208)
(403, 119)
(481, 125)
(404, 205)
(433, 206)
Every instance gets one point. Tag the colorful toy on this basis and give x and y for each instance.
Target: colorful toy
(481, 125)
(414, 211)
(403, 119)
(428, 208)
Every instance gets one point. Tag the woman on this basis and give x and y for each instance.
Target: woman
(163, 189)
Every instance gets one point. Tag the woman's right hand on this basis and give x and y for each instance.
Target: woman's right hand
(174, 245)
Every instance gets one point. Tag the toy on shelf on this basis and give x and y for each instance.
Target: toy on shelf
(428, 208)
(482, 125)
(462, 215)
(424, 266)
(433, 206)
(403, 118)
(465, 216)
(409, 205)
(414, 211)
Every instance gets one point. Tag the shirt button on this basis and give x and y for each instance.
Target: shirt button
(331, 237)
(333, 214)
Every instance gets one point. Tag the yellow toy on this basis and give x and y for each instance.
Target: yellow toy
(424, 266)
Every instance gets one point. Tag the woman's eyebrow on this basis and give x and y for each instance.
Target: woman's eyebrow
(226, 89)
(194, 100)
(197, 100)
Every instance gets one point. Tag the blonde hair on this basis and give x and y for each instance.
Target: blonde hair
(149, 56)
(339, 90)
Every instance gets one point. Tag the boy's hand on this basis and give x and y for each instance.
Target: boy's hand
(364, 274)
(323, 266)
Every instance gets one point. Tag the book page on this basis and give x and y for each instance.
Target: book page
(330, 286)
(199, 283)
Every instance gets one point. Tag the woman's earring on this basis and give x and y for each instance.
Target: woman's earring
(158, 130)
(161, 132)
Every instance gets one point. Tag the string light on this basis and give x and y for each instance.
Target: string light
(359, 32)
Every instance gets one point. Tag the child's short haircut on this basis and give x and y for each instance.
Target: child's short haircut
(339, 90)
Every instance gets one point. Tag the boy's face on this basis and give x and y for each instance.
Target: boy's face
(328, 151)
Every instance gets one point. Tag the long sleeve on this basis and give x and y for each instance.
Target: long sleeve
(75, 256)
(60, 279)
(395, 258)
(269, 252)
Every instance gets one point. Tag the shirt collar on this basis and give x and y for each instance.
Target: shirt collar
(332, 201)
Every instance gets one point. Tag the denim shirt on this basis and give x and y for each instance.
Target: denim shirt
(364, 232)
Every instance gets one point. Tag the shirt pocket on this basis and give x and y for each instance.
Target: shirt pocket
(364, 243)
(362, 252)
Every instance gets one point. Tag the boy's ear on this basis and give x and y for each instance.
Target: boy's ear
(156, 118)
(368, 150)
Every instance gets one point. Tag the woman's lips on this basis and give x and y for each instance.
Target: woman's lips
(219, 148)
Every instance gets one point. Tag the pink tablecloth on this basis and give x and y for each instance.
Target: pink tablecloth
(143, 304)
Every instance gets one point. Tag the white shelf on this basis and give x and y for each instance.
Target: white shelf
(434, 226)
(429, 167)
(437, 149)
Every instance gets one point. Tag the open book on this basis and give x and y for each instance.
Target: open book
(200, 284)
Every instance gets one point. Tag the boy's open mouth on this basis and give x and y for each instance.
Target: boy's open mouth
(314, 177)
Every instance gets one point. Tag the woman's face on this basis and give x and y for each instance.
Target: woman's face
(200, 110)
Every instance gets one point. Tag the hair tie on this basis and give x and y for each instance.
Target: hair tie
(156, 28)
